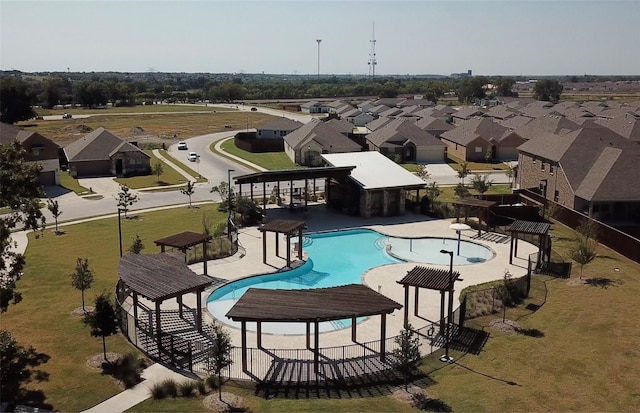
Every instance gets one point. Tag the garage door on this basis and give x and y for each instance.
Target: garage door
(93, 168)
(47, 178)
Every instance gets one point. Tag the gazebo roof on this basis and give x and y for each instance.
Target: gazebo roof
(159, 276)
(283, 226)
(529, 227)
(184, 240)
(429, 278)
(319, 304)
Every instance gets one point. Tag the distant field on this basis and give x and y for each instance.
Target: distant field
(147, 128)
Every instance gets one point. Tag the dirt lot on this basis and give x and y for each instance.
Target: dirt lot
(147, 128)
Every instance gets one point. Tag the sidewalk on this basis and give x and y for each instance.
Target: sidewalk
(237, 158)
(181, 171)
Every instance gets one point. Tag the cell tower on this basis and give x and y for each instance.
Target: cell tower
(372, 54)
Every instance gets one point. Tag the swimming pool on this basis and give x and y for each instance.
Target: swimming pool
(338, 258)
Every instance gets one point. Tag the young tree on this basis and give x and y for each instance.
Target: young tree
(406, 356)
(481, 184)
(137, 246)
(509, 172)
(125, 199)
(54, 208)
(157, 169)
(17, 365)
(219, 353)
(20, 193)
(464, 171)
(505, 292)
(82, 277)
(103, 320)
(583, 251)
(226, 196)
(423, 173)
(461, 191)
(189, 190)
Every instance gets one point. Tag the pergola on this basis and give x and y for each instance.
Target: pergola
(540, 229)
(185, 240)
(469, 204)
(159, 277)
(431, 279)
(290, 175)
(311, 306)
(282, 226)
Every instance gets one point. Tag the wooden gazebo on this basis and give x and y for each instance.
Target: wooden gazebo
(471, 204)
(159, 277)
(282, 226)
(185, 240)
(431, 279)
(539, 229)
(311, 306)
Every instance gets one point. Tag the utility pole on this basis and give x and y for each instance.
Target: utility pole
(372, 54)
(318, 40)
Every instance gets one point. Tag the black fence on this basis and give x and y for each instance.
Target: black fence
(184, 348)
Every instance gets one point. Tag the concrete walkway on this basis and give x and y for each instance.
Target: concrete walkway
(181, 171)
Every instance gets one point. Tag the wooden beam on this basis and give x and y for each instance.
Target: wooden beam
(179, 300)
(316, 344)
(259, 333)
(158, 329)
(204, 256)
(415, 301)
(353, 330)
(243, 341)
(199, 310)
(383, 336)
(264, 247)
(406, 305)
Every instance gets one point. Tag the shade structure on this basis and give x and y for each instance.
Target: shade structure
(459, 227)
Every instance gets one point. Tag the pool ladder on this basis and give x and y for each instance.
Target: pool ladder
(381, 243)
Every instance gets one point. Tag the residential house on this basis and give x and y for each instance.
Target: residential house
(39, 149)
(482, 139)
(591, 170)
(402, 139)
(626, 124)
(277, 129)
(101, 153)
(304, 145)
(467, 113)
(314, 107)
(546, 125)
(357, 117)
(435, 126)
(378, 123)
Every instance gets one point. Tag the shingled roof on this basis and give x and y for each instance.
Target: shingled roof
(399, 131)
(323, 135)
(97, 146)
(472, 129)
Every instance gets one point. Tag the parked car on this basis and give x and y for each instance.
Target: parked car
(254, 109)
(66, 116)
(182, 145)
(193, 156)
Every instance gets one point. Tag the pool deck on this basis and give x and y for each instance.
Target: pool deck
(248, 261)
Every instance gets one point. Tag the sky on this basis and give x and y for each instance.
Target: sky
(509, 37)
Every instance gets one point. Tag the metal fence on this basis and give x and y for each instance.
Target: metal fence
(184, 348)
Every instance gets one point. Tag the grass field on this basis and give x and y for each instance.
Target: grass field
(163, 108)
(169, 176)
(148, 127)
(270, 160)
(43, 319)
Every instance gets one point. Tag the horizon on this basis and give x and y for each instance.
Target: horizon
(412, 38)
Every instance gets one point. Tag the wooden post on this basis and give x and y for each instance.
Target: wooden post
(406, 305)
(441, 311)
(264, 247)
(264, 196)
(308, 335)
(243, 340)
(179, 300)
(158, 329)
(316, 344)
(204, 256)
(199, 310)
(383, 336)
(415, 302)
(511, 249)
(288, 250)
(300, 243)
(259, 333)
(277, 244)
(353, 330)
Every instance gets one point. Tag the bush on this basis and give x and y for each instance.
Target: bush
(169, 387)
(187, 388)
(157, 391)
(127, 369)
(202, 388)
(212, 382)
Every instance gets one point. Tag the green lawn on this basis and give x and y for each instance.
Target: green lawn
(269, 160)
(447, 194)
(71, 183)
(187, 169)
(169, 176)
(43, 319)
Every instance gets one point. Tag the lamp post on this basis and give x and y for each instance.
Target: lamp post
(446, 357)
(229, 200)
(120, 231)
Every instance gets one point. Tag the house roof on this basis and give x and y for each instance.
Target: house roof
(378, 123)
(546, 125)
(317, 131)
(626, 125)
(472, 129)
(374, 170)
(282, 123)
(516, 122)
(399, 131)
(430, 124)
(340, 125)
(98, 145)
(8, 133)
(468, 112)
(30, 139)
(612, 177)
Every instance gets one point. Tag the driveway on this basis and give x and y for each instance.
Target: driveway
(104, 185)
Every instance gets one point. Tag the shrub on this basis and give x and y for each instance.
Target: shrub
(202, 388)
(157, 391)
(169, 387)
(187, 388)
(212, 382)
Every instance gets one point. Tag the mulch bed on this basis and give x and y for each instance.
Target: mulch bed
(507, 326)
(79, 312)
(97, 360)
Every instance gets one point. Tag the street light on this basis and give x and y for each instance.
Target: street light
(446, 357)
(229, 199)
(120, 231)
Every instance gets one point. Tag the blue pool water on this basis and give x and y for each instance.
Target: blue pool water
(340, 258)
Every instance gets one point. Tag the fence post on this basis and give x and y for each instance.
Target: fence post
(190, 350)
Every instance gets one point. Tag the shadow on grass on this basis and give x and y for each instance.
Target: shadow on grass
(601, 282)
(423, 402)
(530, 332)
(509, 382)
